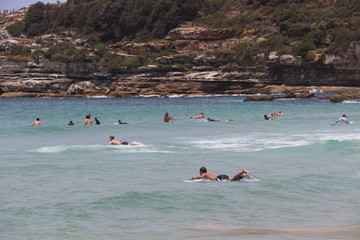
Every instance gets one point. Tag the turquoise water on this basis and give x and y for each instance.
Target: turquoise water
(62, 182)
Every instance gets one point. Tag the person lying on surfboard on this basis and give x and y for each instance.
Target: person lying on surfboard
(199, 116)
(114, 141)
(343, 119)
(221, 177)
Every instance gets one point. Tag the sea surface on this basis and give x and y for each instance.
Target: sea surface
(60, 182)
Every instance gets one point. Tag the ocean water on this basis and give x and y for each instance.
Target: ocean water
(60, 182)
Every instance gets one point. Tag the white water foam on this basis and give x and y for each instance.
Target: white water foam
(352, 101)
(253, 144)
(50, 149)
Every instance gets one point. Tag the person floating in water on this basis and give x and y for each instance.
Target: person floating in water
(167, 118)
(120, 122)
(221, 177)
(36, 122)
(279, 114)
(71, 123)
(199, 116)
(212, 120)
(343, 119)
(268, 118)
(114, 141)
(88, 121)
(97, 122)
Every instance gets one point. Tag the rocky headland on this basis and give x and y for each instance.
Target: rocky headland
(195, 63)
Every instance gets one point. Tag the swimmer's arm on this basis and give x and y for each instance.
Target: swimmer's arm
(197, 177)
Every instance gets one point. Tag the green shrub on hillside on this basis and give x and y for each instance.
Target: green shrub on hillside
(16, 29)
(66, 52)
(277, 42)
(20, 51)
(301, 48)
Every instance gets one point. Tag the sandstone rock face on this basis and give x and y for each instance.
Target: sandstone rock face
(338, 98)
(200, 33)
(259, 98)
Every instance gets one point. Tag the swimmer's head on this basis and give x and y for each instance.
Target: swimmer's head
(203, 170)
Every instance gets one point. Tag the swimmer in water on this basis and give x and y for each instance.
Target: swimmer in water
(212, 120)
(88, 121)
(36, 122)
(221, 177)
(114, 141)
(343, 119)
(120, 122)
(268, 118)
(167, 118)
(97, 122)
(199, 116)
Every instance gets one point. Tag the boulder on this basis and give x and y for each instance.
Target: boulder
(338, 98)
(289, 59)
(259, 98)
(306, 95)
(17, 94)
(289, 95)
(7, 44)
(273, 56)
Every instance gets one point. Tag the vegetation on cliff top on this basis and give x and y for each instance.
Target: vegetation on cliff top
(299, 27)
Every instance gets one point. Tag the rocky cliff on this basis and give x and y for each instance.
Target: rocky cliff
(195, 61)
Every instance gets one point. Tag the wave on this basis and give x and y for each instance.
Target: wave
(256, 143)
(101, 148)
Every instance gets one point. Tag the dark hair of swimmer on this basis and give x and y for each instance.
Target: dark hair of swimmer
(203, 170)
(112, 137)
(38, 119)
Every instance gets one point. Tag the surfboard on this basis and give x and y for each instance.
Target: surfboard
(208, 180)
(342, 123)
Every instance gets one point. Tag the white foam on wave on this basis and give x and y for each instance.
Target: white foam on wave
(99, 97)
(249, 144)
(51, 149)
(352, 101)
(257, 143)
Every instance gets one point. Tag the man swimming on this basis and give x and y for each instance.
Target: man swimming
(221, 177)
(343, 119)
(199, 116)
(88, 121)
(114, 141)
(36, 122)
(167, 118)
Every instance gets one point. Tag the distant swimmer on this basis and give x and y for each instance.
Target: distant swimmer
(36, 122)
(167, 118)
(199, 116)
(229, 120)
(71, 123)
(120, 122)
(88, 121)
(221, 177)
(268, 118)
(97, 122)
(212, 120)
(114, 141)
(279, 114)
(343, 119)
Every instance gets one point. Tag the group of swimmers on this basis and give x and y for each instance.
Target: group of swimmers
(168, 118)
(88, 122)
